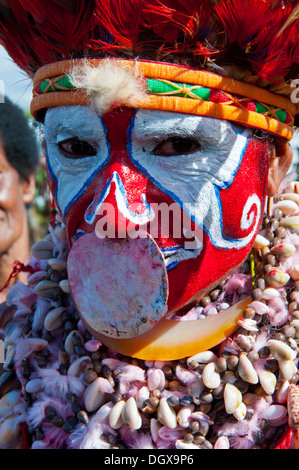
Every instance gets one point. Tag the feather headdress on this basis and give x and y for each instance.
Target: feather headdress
(255, 42)
(260, 36)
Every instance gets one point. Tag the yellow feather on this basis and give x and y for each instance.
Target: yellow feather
(293, 17)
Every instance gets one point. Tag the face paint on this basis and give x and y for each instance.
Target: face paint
(124, 169)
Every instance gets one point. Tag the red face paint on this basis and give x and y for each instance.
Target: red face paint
(130, 191)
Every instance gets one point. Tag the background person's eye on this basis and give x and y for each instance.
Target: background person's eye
(176, 146)
(76, 148)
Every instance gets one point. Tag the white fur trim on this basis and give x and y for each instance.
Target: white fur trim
(109, 84)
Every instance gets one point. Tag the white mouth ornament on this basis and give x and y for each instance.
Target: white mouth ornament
(129, 318)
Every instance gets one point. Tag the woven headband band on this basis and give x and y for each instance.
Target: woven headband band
(177, 89)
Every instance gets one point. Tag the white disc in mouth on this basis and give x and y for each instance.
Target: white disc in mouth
(119, 287)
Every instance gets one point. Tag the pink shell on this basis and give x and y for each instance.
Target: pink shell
(134, 270)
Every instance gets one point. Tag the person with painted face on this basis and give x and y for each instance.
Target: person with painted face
(19, 156)
(167, 128)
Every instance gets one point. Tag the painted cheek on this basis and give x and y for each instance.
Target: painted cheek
(195, 277)
(250, 180)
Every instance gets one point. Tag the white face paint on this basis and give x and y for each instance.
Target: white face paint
(192, 179)
(73, 176)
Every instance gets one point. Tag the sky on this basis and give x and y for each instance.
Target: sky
(14, 82)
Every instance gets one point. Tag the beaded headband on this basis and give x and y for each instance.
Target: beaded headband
(178, 89)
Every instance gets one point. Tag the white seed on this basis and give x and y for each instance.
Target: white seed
(291, 223)
(9, 429)
(195, 390)
(131, 415)
(203, 357)
(115, 416)
(42, 249)
(291, 196)
(68, 344)
(270, 293)
(240, 412)
(287, 369)
(260, 242)
(283, 250)
(287, 206)
(275, 414)
(53, 319)
(93, 397)
(222, 443)
(280, 350)
(210, 377)
(155, 379)
(282, 392)
(57, 264)
(64, 286)
(80, 365)
(293, 406)
(184, 415)
(246, 370)
(223, 306)
(166, 414)
(33, 386)
(276, 277)
(267, 381)
(8, 402)
(232, 398)
(154, 427)
(45, 288)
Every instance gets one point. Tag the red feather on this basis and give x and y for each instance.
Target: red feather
(35, 32)
(242, 21)
(171, 17)
(121, 18)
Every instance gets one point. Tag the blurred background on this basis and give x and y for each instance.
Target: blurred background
(17, 86)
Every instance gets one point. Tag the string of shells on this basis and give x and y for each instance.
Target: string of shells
(194, 403)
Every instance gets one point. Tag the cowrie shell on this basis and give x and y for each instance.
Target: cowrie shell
(131, 415)
(232, 398)
(115, 416)
(280, 350)
(53, 319)
(166, 414)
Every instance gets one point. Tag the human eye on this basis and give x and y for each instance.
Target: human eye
(175, 146)
(76, 148)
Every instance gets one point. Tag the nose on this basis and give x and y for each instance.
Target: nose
(116, 218)
(120, 205)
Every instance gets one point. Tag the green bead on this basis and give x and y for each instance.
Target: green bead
(160, 87)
